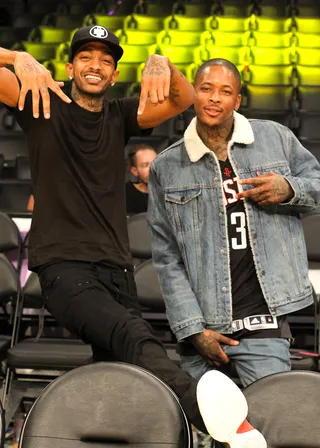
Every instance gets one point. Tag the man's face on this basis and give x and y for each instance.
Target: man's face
(93, 69)
(143, 159)
(216, 95)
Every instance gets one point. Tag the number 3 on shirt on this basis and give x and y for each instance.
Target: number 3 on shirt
(239, 219)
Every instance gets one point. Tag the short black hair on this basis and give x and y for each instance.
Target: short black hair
(222, 62)
(133, 152)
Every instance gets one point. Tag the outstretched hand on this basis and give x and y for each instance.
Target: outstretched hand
(35, 77)
(155, 83)
(270, 188)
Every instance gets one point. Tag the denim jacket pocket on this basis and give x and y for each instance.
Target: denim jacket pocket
(281, 167)
(185, 209)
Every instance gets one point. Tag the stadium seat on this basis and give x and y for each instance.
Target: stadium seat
(307, 11)
(308, 76)
(182, 23)
(266, 40)
(309, 98)
(267, 75)
(143, 23)
(27, 20)
(302, 40)
(264, 10)
(41, 52)
(265, 56)
(49, 35)
(10, 35)
(268, 97)
(284, 407)
(191, 9)
(306, 25)
(222, 39)
(225, 24)
(12, 145)
(153, 9)
(135, 54)
(66, 21)
(265, 24)
(309, 126)
(111, 22)
(309, 57)
(128, 73)
(107, 404)
(229, 10)
(178, 38)
(203, 53)
(136, 37)
(177, 55)
(139, 239)
(52, 356)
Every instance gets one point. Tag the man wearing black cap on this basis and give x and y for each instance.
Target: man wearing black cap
(78, 240)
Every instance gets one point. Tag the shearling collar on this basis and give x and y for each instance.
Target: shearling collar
(242, 133)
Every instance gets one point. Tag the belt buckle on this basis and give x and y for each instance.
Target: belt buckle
(260, 322)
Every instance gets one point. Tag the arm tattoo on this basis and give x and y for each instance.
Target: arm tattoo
(174, 94)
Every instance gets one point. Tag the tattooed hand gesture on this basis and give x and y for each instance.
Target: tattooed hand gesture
(269, 188)
(208, 344)
(35, 77)
(155, 83)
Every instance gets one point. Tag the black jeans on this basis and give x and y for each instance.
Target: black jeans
(100, 306)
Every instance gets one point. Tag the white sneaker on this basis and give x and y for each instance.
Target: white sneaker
(224, 409)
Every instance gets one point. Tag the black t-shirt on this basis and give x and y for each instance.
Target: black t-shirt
(137, 201)
(247, 296)
(78, 174)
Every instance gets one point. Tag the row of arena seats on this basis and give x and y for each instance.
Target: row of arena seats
(57, 351)
(189, 8)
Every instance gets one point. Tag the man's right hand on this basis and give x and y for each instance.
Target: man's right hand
(35, 77)
(208, 344)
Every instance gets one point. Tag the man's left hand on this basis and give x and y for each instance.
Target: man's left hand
(270, 188)
(155, 83)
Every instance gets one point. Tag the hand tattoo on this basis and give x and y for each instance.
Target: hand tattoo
(156, 66)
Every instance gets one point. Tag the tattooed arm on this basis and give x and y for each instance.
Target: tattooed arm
(32, 75)
(165, 92)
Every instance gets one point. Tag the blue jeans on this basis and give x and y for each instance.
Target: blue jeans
(253, 359)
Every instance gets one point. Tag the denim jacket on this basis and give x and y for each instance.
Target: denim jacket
(188, 225)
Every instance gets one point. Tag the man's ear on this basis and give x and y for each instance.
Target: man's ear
(69, 70)
(114, 77)
(238, 102)
(134, 171)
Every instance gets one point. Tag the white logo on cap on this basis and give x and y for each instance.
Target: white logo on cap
(98, 31)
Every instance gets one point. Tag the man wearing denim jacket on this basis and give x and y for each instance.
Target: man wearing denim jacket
(228, 245)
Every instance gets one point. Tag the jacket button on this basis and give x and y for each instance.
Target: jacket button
(182, 198)
(224, 289)
(220, 214)
(222, 251)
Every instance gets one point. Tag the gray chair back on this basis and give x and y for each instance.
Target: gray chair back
(284, 407)
(106, 405)
(139, 240)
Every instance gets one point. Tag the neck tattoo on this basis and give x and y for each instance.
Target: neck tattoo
(216, 138)
(89, 102)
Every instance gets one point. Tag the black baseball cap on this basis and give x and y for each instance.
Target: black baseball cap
(95, 33)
